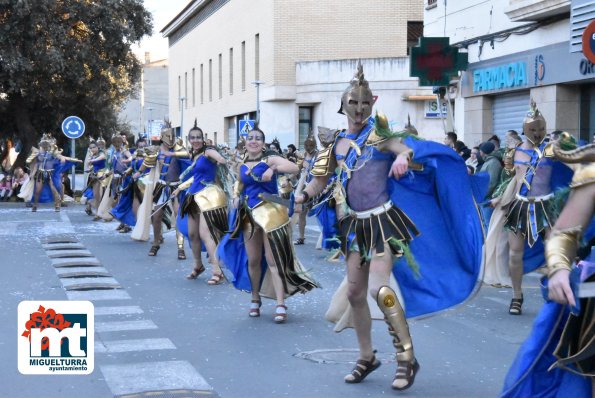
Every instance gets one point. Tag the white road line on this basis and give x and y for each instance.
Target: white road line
(137, 377)
(66, 282)
(113, 346)
(121, 310)
(118, 326)
(96, 295)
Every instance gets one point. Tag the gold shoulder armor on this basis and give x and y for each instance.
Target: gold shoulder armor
(322, 164)
(374, 139)
(548, 151)
(584, 175)
(32, 155)
(180, 151)
(150, 160)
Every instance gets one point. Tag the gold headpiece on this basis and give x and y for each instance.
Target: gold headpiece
(534, 125)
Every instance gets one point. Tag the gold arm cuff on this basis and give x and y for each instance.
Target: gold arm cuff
(560, 249)
(150, 160)
(186, 184)
(182, 153)
(237, 188)
(322, 165)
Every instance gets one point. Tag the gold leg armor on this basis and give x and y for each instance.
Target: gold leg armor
(394, 316)
(561, 248)
(180, 240)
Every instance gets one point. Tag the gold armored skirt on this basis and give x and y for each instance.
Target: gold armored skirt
(211, 201)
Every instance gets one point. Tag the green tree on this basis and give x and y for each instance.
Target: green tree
(67, 57)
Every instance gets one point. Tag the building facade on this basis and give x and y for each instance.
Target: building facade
(289, 61)
(518, 50)
(146, 112)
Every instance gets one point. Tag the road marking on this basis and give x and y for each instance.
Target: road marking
(113, 346)
(167, 375)
(118, 326)
(67, 282)
(121, 310)
(98, 295)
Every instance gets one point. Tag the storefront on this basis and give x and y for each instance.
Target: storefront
(562, 84)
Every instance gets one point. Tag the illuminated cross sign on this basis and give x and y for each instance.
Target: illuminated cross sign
(434, 61)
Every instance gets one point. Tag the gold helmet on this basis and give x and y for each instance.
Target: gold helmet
(409, 128)
(100, 142)
(310, 143)
(357, 98)
(168, 135)
(117, 139)
(46, 141)
(534, 125)
(327, 136)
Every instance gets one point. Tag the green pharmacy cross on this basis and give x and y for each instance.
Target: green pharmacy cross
(434, 61)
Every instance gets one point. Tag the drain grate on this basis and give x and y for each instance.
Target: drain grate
(92, 286)
(60, 239)
(69, 253)
(336, 356)
(63, 246)
(75, 262)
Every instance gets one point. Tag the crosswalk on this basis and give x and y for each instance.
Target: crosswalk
(84, 278)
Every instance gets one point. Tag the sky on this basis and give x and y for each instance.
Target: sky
(163, 12)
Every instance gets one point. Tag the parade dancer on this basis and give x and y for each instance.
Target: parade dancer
(263, 226)
(306, 165)
(558, 357)
(374, 228)
(130, 192)
(205, 203)
(47, 165)
(167, 162)
(528, 200)
(96, 164)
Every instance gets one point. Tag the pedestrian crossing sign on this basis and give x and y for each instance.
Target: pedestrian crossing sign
(245, 127)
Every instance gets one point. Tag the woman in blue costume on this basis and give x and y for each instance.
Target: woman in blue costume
(96, 162)
(264, 228)
(47, 166)
(558, 358)
(529, 200)
(204, 205)
(130, 190)
(379, 216)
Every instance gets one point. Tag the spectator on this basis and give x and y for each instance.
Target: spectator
(292, 153)
(496, 141)
(462, 150)
(20, 178)
(491, 165)
(5, 187)
(450, 139)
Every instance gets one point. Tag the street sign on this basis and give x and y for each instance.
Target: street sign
(435, 62)
(589, 42)
(73, 127)
(155, 127)
(245, 127)
(433, 111)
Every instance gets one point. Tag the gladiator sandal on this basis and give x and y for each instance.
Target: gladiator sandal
(299, 241)
(153, 251)
(362, 369)
(394, 316)
(280, 314)
(516, 306)
(196, 272)
(255, 308)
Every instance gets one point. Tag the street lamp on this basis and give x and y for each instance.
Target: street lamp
(182, 99)
(257, 83)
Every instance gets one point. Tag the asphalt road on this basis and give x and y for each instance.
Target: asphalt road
(161, 332)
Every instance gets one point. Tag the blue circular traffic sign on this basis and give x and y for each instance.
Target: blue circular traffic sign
(73, 127)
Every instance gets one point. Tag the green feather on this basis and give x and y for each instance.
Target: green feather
(409, 259)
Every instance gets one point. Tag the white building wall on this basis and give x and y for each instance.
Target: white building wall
(321, 84)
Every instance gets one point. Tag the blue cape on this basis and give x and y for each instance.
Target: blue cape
(45, 195)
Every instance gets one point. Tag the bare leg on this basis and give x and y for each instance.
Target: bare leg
(210, 245)
(55, 194)
(194, 234)
(38, 188)
(357, 278)
(516, 245)
(302, 225)
(156, 220)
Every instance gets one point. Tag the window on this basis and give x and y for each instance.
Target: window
(257, 57)
(231, 71)
(305, 124)
(431, 4)
(193, 87)
(186, 89)
(220, 76)
(415, 30)
(243, 66)
(179, 90)
(210, 80)
(202, 91)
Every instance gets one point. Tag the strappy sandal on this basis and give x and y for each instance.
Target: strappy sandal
(407, 373)
(196, 272)
(516, 306)
(181, 254)
(153, 251)
(280, 314)
(362, 369)
(255, 308)
(96, 218)
(89, 212)
(216, 279)
(125, 230)
(120, 227)
(299, 241)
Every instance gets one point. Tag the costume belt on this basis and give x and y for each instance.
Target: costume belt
(376, 211)
(534, 199)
